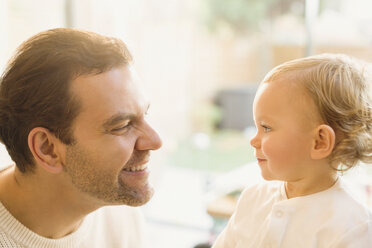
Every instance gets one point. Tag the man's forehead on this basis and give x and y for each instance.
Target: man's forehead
(112, 93)
(119, 80)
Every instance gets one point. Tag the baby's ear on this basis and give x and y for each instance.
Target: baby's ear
(323, 142)
(44, 148)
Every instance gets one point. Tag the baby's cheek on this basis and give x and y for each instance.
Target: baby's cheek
(278, 153)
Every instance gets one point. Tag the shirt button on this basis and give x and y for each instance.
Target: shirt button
(279, 213)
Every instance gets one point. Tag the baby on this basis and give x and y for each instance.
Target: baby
(313, 118)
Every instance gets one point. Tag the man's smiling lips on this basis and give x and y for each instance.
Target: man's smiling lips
(136, 175)
(140, 168)
(137, 164)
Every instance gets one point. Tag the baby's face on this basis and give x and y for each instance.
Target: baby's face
(285, 118)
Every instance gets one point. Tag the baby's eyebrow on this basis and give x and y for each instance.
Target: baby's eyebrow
(265, 120)
(260, 118)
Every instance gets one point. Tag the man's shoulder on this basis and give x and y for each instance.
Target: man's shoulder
(6, 241)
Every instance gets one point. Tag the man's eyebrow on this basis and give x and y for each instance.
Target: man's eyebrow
(117, 118)
(120, 117)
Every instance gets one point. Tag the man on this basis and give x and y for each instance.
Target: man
(73, 120)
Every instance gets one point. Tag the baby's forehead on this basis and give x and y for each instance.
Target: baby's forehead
(287, 94)
(287, 78)
(290, 84)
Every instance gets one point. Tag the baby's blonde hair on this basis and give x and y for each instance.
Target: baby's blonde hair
(341, 88)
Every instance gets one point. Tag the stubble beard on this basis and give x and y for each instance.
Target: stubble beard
(106, 186)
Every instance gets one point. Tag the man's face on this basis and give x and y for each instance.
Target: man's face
(285, 119)
(109, 159)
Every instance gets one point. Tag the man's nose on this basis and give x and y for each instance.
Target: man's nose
(149, 139)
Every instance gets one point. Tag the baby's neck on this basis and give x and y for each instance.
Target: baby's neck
(308, 186)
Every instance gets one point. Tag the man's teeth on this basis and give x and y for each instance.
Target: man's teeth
(137, 168)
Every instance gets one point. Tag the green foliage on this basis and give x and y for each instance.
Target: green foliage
(238, 15)
(205, 117)
(225, 151)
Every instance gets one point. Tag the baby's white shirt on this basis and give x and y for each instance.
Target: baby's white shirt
(266, 218)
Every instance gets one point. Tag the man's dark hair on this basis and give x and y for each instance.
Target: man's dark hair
(35, 86)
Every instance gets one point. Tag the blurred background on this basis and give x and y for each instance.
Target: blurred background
(200, 62)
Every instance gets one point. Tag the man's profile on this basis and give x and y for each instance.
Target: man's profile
(73, 120)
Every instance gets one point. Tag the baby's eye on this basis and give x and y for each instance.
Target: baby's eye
(266, 128)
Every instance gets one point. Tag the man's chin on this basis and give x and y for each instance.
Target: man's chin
(141, 201)
(136, 198)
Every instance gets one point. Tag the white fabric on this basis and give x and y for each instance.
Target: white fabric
(114, 227)
(265, 217)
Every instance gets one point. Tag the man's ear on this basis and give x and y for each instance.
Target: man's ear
(44, 147)
(323, 142)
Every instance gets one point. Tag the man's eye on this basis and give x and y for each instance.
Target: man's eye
(121, 128)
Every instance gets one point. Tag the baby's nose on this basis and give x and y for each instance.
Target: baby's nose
(255, 142)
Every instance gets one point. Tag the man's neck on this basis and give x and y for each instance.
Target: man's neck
(42, 204)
